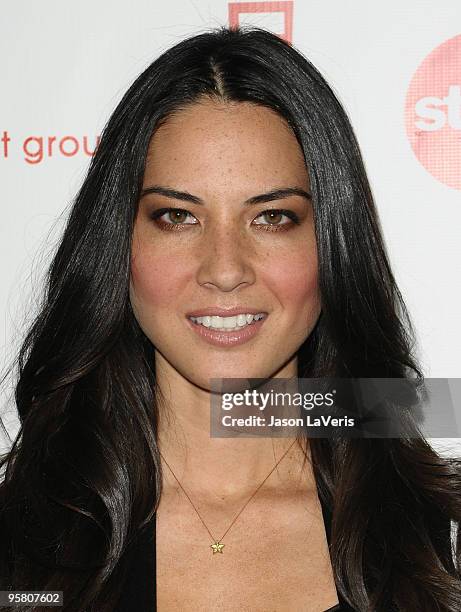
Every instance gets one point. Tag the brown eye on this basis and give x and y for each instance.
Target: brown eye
(274, 218)
(177, 216)
(172, 218)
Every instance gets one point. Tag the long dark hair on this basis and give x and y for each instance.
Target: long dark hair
(83, 476)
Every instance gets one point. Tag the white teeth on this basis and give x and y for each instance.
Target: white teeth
(241, 320)
(228, 323)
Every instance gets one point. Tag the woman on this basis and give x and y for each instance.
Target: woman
(227, 189)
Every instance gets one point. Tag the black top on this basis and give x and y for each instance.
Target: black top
(139, 591)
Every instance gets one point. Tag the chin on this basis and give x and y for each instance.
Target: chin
(202, 378)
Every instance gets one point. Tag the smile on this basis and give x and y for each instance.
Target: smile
(226, 331)
(228, 324)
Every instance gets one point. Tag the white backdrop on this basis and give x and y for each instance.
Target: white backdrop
(65, 66)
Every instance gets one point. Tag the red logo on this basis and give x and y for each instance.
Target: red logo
(433, 112)
(286, 8)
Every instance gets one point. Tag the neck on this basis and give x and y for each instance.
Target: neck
(220, 468)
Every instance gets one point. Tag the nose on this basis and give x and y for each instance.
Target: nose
(225, 259)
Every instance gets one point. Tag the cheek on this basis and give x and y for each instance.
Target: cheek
(156, 281)
(294, 280)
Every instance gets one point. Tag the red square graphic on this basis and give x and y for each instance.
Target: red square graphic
(235, 8)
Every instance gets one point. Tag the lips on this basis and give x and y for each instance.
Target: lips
(224, 312)
(224, 338)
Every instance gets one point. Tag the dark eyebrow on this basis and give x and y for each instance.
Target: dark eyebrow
(275, 194)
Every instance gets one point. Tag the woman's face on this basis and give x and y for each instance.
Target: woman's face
(218, 250)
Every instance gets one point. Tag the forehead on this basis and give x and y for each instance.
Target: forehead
(224, 142)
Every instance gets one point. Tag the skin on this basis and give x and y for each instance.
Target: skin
(223, 254)
(228, 153)
(226, 254)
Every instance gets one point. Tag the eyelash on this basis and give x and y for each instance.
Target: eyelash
(266, 227)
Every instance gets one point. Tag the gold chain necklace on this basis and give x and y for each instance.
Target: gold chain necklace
(217, 546)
